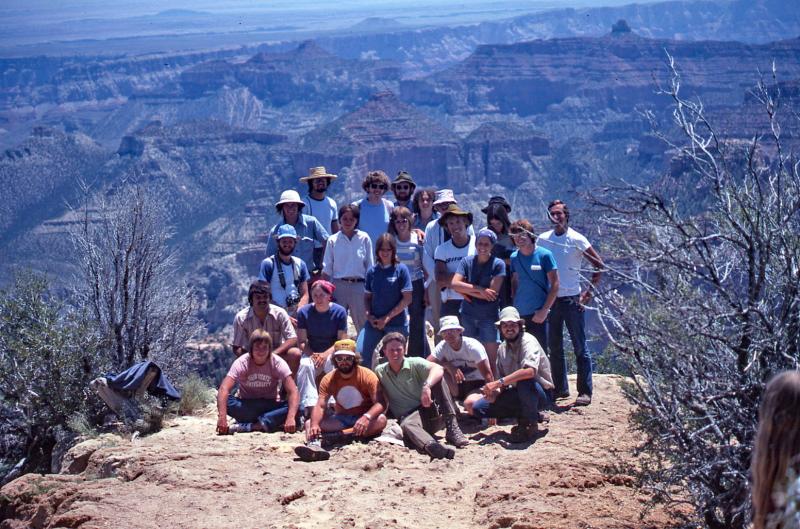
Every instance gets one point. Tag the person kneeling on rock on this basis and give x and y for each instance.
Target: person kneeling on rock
(418, 397)
(258, 406)
(357, 413)
(525, 384)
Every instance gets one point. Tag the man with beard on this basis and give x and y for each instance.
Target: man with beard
(308, 229)
(403, 187)
(287, 275)
(418, 397)
(261, 314)
(357, 413)
(320, 206)
(525, 384)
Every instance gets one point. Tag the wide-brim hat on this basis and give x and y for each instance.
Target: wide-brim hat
(509, 314)
(346, 347)
(318, 172)
(501, 201)
(444, 196)
(290, 196)
(447, 323)
(451, 210)
(404, 176)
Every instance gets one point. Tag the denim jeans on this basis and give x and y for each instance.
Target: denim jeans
(269, 412)
(371, 338)
(523, 401)
(567, 310)
(416, 313)
(484, 331)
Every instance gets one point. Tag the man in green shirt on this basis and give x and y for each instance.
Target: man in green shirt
(417, 397)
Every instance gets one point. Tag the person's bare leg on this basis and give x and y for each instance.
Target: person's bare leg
(470, 401)
(491, 352)
(376, 426)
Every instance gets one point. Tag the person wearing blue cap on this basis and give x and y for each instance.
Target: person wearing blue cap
(287, 275)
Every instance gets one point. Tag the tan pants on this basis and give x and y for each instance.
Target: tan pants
(351, 296)
(435, 308)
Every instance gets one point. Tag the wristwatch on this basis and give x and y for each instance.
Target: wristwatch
(502, 381)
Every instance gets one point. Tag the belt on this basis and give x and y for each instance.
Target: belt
(351, 279)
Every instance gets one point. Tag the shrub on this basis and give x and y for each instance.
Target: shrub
(196, 394)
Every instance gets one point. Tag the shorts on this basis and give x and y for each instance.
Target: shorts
(484, 331)
(347, 420)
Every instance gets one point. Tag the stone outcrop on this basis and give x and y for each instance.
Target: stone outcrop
(502, 153)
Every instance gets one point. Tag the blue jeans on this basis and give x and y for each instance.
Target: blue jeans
(523, 401)
(538, 330)
(371, 338)
(269, 412)
(484, 331)
(567, 310)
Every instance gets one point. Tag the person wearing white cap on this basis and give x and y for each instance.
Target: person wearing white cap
(525, 384)
(357, 412)
(466, 365)
(308, 228)
(318, 205)
(435, 235)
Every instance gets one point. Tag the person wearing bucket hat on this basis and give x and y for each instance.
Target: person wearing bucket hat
(466, 365)
(500, 201)
(308, 229)
(525, 384)
(357, 412)
(403, 187)
(319, 205)
(435, 236)
(374, 209)
(449, 254)
(569, 248)
(287, 275)
(479, 278)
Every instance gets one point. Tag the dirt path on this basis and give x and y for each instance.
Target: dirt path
(185, 476)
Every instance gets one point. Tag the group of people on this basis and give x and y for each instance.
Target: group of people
(499, 297)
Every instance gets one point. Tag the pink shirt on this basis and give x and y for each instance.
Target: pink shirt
(259, 382)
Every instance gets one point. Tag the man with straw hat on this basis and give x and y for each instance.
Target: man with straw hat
(525, 385)
(357, 412)
(308, 229)
(319, 205)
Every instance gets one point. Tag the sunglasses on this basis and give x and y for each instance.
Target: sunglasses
(344, 358)
(377, 186)
(401, 221)
(402, 187)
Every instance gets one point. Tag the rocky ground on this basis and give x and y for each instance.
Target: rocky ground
(186, 476)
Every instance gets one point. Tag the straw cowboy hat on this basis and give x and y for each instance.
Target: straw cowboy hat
(318, 172)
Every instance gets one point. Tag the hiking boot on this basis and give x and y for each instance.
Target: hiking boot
(312, 451)
(439, 451)
(454, 435)
(336, 438)
(583, 400)
(524, 432)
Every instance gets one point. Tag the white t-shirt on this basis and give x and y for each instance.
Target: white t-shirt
(323, 210)
(466, 359)
(568, 252)
(451, 256)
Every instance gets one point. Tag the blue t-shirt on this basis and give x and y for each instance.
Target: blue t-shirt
(269, 274)
(374, 218)
(533, 285)
(481, 275)
(322, 328)
(387, 284)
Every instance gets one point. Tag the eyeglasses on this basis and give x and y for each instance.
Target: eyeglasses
(377, 186)
(401, 221)
(344, 358)
(402, 187)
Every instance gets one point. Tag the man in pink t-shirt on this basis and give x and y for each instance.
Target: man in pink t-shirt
(260, 376)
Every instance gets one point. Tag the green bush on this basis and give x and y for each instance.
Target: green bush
(196, 394)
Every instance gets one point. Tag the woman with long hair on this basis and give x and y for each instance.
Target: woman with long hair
(422, 204)
(409, 253)
(776, 450)
(497, 220)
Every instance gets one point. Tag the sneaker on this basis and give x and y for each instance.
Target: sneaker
(454, 435)
(242, 427)
(312, 451)
(439, 451)
(583, 400)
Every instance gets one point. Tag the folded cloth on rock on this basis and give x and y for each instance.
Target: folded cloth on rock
(132, 378)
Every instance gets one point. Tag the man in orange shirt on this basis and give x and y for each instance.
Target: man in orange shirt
(357, 412)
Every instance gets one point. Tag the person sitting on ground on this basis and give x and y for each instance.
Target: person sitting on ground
(448, 256)
(776, 452)
(348, 256)
(479, 279)
(387, 294)
(374, 209)
(308, 229)
(260, 376)
(466, 365)
(357, 413)
(409, 253)
(287, 275)
(276, 322)
(320, 324)
(403, 187)
(418, 396)
(525, 384)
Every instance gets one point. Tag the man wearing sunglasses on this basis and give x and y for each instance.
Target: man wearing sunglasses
(358, 411)
(374, 209)
(403, 188)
